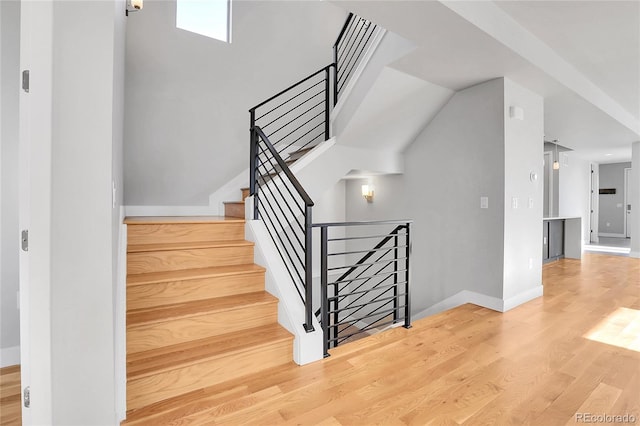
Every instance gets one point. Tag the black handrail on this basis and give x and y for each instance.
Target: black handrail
(285, 169)
(276, 227)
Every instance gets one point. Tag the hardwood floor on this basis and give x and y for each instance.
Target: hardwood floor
(573, 351)
(541, 364)
(10, 413)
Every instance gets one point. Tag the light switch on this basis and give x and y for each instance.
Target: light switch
(530, 202)
(484, 202)
(514, 203)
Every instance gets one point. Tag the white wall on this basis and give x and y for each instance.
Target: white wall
(77, 279)
(575, 190)
(522, 224)
(611, 206)
(187, 96)
(9, 229)
(635, 200)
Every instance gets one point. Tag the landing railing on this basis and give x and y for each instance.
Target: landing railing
(363, 288)
(354, 40)
(296, 118)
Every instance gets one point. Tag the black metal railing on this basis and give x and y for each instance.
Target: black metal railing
(297, 117)
(285, 208)
(354, 40)
(363, 288)
(281, 127)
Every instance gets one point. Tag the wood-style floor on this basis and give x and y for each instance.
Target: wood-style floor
(574, 351)
(10, 396)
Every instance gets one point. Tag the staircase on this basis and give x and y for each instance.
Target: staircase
(236, 208)
(197, 311)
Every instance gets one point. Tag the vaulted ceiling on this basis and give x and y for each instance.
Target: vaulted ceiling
(582, 56)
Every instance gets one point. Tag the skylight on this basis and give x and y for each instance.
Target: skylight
(210, 18)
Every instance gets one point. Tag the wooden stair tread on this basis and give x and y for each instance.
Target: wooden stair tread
(146, 220)
(198, 307)
(170, 357)
(234, 202)
(191, 274)
(137, 248)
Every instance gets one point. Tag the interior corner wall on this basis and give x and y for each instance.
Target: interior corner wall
(188, 96)
(82, 281)
(455, 160)
(9, 227)
(523, 196)
(611, 206)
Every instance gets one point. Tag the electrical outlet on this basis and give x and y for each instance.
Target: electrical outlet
(484, 202)
(514, 203)
(530, 202)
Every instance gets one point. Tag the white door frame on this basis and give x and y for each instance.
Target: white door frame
(594, 204)
(548, 155)
(36, 51)
(627, 201)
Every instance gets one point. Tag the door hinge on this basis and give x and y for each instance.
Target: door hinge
(25, 240)
(27, 397)
(25, 81)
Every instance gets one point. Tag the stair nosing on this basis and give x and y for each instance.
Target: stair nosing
(241, 348)
(189, 245)
(175, 275)
(269, 299)
(179, 220)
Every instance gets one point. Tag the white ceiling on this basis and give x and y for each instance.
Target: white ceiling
(600, 38)
(582, 56)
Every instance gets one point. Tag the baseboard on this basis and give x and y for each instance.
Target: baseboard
(635, 254)
(612, 235)
(171, 210)
(489, 302)
(521, 298)
(9, 356)
(120, 319)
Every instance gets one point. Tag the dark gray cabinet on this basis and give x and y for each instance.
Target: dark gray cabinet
(553, 240)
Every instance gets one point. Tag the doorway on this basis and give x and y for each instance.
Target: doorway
(627, 202)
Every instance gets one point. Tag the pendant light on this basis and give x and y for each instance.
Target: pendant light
(556, 163)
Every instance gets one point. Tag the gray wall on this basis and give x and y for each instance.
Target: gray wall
(611, 219)
(9, 89)
(471, 149)
(457, 159)
(187, 96)
(522, 224)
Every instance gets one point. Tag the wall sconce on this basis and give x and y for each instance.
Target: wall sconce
(133, 6)
(556, 163)
(367, 193)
